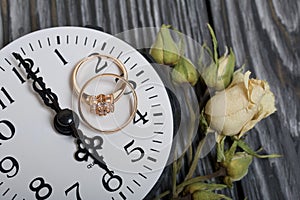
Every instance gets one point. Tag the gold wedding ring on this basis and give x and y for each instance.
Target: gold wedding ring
(90, 99)
(102, 104)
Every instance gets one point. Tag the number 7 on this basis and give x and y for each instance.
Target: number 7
(76, 186)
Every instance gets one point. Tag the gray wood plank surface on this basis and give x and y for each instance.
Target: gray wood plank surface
(265, 36)
(268, 45)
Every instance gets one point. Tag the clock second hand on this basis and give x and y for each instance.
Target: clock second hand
(66, 121)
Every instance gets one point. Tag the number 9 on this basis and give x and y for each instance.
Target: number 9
(14, 165)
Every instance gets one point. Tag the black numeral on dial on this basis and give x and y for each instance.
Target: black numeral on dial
(9, 166)
(11, 130)
(99, 68)
(133, 84)
(139, 116)
(5, 93)
(39, 186)
(19, 76)
(63, 60)
(111, 182)
(136, 152)
(76, 188)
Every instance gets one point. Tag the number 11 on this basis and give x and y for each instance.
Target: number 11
(9, 98)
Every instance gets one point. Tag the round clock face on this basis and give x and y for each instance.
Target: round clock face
(36, 162)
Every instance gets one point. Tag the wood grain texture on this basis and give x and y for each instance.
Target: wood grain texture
(265, 36)
(267, 43)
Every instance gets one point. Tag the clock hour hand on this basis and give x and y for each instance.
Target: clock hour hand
(50, 99)
(66, 122)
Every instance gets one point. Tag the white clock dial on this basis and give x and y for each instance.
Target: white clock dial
(36, 162)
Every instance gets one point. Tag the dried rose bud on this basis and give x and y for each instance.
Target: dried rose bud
(236, 167)
(201, 190)
(185, 72)
(218, 75)
(165, 50)
(205, 195)
(240, 106)
(200, 186)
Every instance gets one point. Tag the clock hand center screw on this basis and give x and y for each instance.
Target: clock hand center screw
(65, 121)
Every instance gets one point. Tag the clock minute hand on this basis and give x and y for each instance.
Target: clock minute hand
(64, 118)
(50, 99)
(66, 121)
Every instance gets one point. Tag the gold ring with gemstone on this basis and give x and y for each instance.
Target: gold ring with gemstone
(117, 94)
(103, 104)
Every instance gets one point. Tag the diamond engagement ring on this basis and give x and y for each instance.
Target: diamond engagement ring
(100, 104)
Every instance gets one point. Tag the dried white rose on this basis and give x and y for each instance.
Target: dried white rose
(240, 106)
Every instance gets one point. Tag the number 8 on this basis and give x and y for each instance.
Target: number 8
(39, 187)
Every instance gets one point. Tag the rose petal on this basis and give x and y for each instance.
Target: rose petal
(256, 91)
(234, 123)
(227, 102)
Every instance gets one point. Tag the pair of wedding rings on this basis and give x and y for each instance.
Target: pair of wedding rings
(104, 104)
